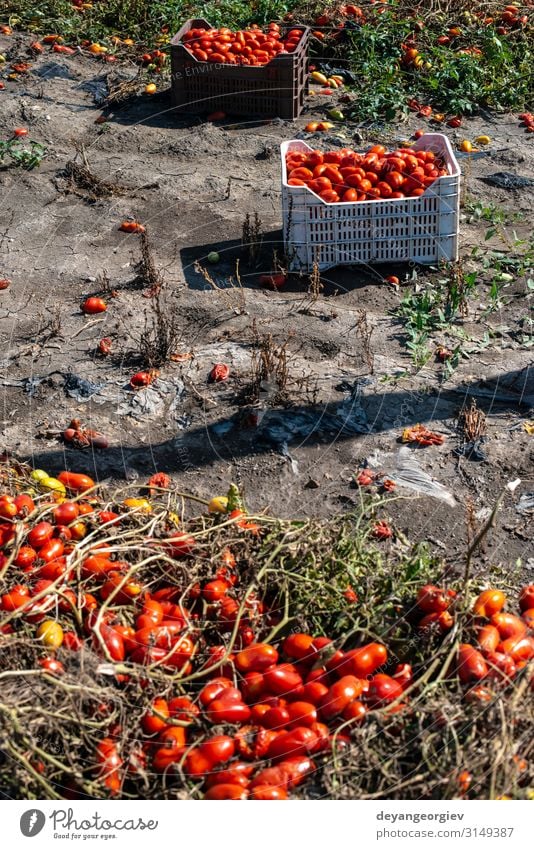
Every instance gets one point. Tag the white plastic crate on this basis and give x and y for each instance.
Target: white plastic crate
(422, 229)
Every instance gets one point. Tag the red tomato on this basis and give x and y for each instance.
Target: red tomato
(314, 691)
(302, 173)
(271, 717)
(227, 792)
(196, 763)
(299, 647)
(24, 504)
(509, 625)
(333, 156)
(385, 189)
(172, 737)
(51, 550)
(470, 664)
(488, 638)
(382, 690)
(282, 679)
(92, 306)
(268, 792)
(431, 599)
(526, 597)
(256, 658)
(333, 174)
(355, 711)
(219, 372)
(313, 158)
(340, 695)
(297, 742)
(153, 724)
(153, 610)
(519, 648)
(238, 773)
(329, 196)
(96, 565)
(18, 596)
(363, 661)
(113, 642)
(273, 281)
(8, 508)
(51, 665)
(106, 516)
(72, 641)
(183, 708)
(105, 346)
(76, 482)
(40, 534)
(302, 713)
(225, 710)
(26, 557)
(501, 666)
(180, 544)
(66, 513)
(140, 379)
(218, 749)
(320, 184)
(214, 590)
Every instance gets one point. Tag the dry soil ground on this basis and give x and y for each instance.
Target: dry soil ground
(192, 183)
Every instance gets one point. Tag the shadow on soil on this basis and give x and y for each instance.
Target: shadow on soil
(158, 111)
(335, 281)
(351, 417)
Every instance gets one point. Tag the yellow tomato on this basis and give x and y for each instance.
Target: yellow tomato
(53, 484)
(78, 530)
(483, 140)
(466, 146)
(319, 78)
(218, 504)
(50, 633)
(336, 114)
(150, 88)
(39, 475)
(140, 504)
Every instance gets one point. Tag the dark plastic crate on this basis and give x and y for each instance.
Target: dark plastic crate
(273, 90)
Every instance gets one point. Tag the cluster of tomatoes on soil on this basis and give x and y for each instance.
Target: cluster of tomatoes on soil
(248, 719)
(344, 176)
(502, 643)
(527, 121)
(251, 46)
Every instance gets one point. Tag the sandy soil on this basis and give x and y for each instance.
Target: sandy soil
(192, 183)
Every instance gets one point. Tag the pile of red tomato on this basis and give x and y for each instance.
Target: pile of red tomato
(344, 176)
(527, 121)
(247, 719)
(250, 46)
(502, 644)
